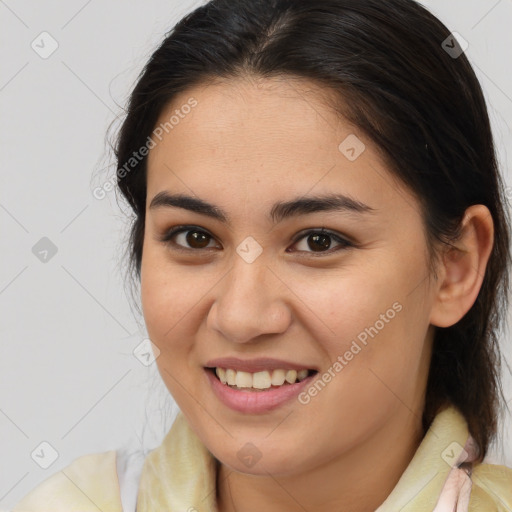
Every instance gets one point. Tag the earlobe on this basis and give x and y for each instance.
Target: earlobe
(463, 267)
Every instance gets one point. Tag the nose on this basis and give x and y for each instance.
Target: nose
(250, 302)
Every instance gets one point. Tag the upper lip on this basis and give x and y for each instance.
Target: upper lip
(255, 365)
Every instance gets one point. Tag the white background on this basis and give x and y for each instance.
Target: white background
(68, 375)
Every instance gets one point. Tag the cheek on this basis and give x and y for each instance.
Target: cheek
(342, 304)
(169, 295)
(370, 316)
(170, 303)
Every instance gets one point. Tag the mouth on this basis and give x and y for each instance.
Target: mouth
(259, 386)
(260, 381)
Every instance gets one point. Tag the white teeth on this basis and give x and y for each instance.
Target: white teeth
(291, 376)
(221, 373)
(302, 374)
(260, 380)
(243, 380)
(231, 377)
(278, 377)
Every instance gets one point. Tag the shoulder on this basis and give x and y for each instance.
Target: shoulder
(492, 488)
(89, 483)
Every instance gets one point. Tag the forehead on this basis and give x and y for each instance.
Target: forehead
(252, 108)
(269, 135)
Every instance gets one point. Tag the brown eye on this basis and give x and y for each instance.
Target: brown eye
(321, 241)
(188, 237)
(197, 239)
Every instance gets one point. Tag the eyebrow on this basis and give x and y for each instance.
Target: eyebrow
(281, 210)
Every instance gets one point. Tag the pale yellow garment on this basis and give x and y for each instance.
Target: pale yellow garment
(180, 476)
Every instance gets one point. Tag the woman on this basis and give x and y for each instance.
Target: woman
(322, 244)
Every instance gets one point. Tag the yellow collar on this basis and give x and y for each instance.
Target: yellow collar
(180, 475)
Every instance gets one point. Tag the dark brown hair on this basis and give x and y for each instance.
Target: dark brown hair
(399, 77)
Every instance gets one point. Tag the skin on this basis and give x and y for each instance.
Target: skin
(246, 145)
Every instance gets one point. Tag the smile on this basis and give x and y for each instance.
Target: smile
(257, 392)
(261, 380)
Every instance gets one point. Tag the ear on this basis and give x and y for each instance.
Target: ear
(462, 270)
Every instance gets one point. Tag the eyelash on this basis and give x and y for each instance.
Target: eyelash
(167, 239)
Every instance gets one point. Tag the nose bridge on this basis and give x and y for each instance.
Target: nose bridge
(247, 283)
(248, 303)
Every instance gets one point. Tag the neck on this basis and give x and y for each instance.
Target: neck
(357, 481)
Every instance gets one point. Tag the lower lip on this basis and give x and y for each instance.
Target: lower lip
(256, 401)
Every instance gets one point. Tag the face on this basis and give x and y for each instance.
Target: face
(298, 257)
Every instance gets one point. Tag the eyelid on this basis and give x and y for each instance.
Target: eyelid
(183, 228)
(345, 242)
